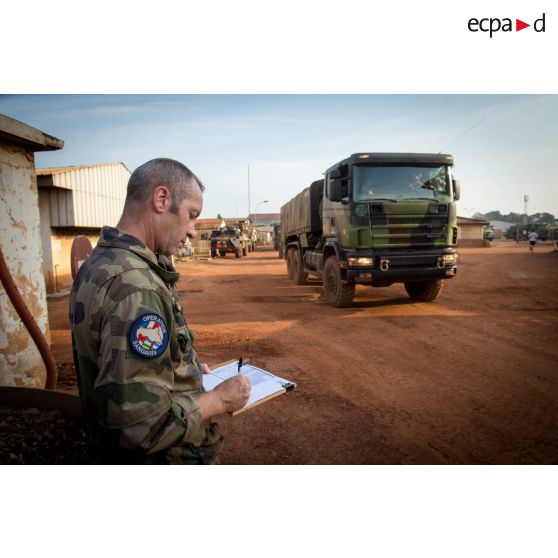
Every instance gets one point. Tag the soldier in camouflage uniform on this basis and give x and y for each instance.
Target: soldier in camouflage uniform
(139, 376)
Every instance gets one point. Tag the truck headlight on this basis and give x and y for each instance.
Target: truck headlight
(450, 259)
(361, 262)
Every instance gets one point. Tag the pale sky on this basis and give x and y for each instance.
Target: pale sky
(505, 146)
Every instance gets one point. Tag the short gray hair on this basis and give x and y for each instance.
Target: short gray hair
(178, 178)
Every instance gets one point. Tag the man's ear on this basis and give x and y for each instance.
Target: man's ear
(161, 198)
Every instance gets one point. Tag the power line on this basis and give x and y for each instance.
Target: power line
(465, 132)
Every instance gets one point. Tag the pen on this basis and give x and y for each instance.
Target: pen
(239, 364)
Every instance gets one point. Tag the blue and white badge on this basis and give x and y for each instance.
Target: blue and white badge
(149, 336)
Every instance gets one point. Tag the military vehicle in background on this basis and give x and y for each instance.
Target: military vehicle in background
(488, 232)
(277, 239)
(376, 219)
(224, 241)
(186, 249)
(245, 234)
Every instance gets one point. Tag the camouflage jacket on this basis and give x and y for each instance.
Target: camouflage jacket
(138, 372)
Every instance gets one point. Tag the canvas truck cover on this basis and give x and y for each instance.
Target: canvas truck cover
(302, 214)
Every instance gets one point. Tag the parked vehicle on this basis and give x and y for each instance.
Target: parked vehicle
(488, 232)
(245, 234)
(376, 219)
(224, 241)
(186, 249)
(277, 239)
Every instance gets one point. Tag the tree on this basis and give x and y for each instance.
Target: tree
(542, 218)
(494, 216)
(536, 219)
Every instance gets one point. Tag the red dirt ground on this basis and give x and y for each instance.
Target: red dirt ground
(471, 378)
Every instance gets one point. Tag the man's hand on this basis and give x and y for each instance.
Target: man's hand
(205, 369)
(227, 397)
(234, 392)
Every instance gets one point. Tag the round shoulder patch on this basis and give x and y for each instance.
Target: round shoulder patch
(149, 336)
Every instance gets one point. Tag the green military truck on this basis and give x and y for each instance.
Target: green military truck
(224, 241)
(376, 219)
(245, 234)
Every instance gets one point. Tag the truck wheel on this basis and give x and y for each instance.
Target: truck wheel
(238, 253)
(299, 277)
(424, 291)
(337, 293)
(290, 273)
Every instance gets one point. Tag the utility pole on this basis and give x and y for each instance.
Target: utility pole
(248, 191)
(525, 205)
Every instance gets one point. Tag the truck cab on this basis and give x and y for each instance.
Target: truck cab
(382, 218)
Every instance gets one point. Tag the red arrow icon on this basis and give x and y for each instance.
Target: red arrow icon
(519, 25)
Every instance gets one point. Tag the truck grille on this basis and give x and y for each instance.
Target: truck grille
(407, 230)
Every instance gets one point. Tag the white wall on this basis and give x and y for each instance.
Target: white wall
(20, 240)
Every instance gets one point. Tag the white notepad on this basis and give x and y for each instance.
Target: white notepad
(265, 385)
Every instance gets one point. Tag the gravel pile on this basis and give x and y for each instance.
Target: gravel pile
(37, 437)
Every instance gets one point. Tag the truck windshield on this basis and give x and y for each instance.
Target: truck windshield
(396, 182)
(225, 232)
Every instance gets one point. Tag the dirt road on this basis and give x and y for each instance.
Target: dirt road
(471, 378)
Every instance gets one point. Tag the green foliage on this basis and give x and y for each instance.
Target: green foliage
(542, 218)
(535, 218)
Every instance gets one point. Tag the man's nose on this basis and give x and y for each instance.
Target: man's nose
(191, 232)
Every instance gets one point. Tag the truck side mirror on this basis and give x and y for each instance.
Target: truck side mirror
(456, 189)
(336, 190)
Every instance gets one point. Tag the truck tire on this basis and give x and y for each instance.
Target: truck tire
(299, 277)
(238, 253)
(290, 273)
(424, 291)
(337, 293)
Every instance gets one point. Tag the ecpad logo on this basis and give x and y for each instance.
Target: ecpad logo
(493, 25)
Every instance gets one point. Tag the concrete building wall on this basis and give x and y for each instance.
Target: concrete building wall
(20, 239)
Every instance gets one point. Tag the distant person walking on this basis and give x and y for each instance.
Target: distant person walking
(533, 237)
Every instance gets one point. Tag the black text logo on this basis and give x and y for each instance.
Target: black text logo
(493, 25)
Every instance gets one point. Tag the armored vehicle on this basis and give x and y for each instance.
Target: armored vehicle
(245, 236)
(376, 219)
(224, 241)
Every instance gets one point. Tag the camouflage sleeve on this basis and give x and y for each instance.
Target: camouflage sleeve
(134, 389)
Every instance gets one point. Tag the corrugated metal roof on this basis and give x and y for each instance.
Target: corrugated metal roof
(59, 170)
